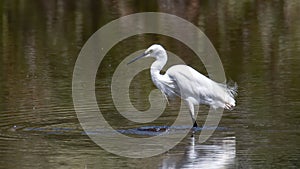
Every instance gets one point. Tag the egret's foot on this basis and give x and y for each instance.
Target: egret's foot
(193, 132)
(195, 124)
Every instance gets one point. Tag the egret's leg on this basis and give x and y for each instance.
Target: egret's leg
(192, 112)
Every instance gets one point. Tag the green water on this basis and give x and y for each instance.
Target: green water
(258, 43)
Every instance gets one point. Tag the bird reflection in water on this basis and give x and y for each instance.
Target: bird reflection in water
(217, 153)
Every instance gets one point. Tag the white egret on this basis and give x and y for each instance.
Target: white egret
(185, 82)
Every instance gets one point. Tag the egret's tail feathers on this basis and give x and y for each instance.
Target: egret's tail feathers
(231, 90)
(229, 106)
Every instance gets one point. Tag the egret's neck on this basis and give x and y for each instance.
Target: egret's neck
(156, 67)
(158, 64)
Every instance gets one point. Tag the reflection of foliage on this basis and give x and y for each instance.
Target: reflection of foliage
(40, 41)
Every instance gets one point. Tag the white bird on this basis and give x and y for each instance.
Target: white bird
(185, 82)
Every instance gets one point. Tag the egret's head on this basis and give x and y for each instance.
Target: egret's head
(156, 51)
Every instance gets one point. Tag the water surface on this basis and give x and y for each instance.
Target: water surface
(258, 43)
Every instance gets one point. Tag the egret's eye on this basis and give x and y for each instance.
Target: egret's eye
(150, 51)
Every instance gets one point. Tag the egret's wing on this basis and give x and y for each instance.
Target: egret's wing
(191, 83)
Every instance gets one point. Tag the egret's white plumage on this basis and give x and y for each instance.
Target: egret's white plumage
(187, 83)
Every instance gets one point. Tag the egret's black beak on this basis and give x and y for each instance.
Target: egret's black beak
(133, 60)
